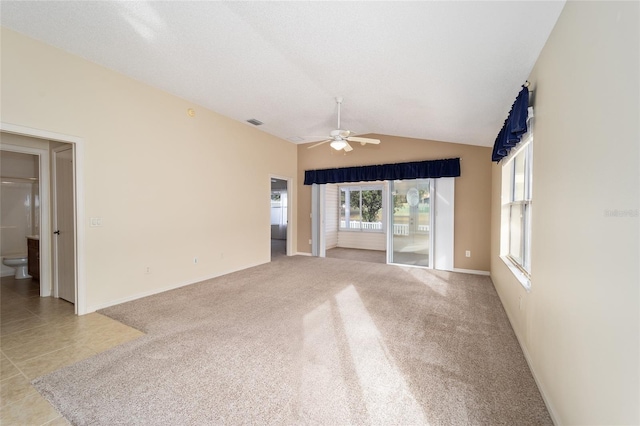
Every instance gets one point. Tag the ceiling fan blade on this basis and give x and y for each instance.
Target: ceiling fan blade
(363, 140)
(319, 143)
(347, 147)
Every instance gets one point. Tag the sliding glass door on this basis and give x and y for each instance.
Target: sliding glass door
(410, 222)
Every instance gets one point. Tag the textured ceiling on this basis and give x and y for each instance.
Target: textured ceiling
(445, 71)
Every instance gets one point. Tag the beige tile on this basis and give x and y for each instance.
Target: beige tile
(10, 296)
(7, 369)
(34, 349)
(89, 321)
(15, 313)
(105, 342)
(25, 324)
(43, 305)
(14, 389)
(52, 361)
(32, 410)
(55, 313)
(60, 421)
(41, 335)
(25, 288)
(26, 336)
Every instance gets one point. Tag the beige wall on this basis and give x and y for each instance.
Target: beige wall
(579, 324)
(159, 179)
(473, 187)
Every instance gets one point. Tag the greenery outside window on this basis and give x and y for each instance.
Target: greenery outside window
(361, 208)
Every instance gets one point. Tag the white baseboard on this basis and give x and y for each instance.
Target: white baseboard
(471, 271)
(303, 254)
(99, 306)
(543, 393)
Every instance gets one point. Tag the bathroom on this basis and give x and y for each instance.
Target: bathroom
(20, 206)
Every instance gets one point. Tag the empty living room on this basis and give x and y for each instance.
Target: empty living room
(333, 213)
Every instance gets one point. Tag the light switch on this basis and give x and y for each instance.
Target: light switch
(95, 221)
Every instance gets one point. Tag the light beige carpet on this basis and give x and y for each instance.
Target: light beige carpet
(374, 256)
(309, 341)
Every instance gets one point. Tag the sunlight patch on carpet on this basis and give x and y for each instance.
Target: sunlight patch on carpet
(385, 391)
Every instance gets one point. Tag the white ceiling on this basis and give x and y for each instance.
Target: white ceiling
(444, 71)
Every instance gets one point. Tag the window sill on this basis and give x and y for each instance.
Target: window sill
(521, 276)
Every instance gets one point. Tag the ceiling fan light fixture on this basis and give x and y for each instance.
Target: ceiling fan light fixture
(338, 145)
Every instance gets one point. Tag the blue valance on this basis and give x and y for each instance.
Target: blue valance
(399, 171)
(514, 127)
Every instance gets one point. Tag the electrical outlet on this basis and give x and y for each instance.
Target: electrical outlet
(467, 253)
(195, 260)
(309, 241)
(147, 270)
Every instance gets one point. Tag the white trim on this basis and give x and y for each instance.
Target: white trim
(317, 220)
(507, 182)
(363, 186)
(80, 306)
(300, 253)
(550, 408)
(524, 280)
(322, 249)
(94, 308)
(45, 211)
(471, 271)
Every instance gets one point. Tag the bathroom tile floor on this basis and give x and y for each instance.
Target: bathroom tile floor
(37, 336)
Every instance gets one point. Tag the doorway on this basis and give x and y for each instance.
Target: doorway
(52, 139)
(410, 241)
(41, 226)
(418, 225)
(279, 217)
(20, 209)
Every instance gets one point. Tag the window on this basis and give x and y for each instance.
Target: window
(517, 174)
(361, 208)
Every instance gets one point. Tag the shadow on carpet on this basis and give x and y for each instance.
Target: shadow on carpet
(309, 341)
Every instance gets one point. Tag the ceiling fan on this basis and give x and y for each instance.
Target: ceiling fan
(340, 138)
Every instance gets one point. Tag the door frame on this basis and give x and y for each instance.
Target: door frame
(45, 226)
(54, 218)
(290, 224)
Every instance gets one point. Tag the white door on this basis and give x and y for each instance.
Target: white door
(64, 228)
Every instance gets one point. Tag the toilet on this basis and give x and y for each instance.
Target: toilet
(19, 263)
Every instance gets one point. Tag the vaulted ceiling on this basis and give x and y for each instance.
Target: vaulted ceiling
(445, 71)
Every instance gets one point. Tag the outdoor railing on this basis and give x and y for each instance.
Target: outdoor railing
(398, 228)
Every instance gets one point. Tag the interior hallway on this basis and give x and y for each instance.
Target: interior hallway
(37, 336)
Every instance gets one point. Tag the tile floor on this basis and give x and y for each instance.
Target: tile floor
(39, 335)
